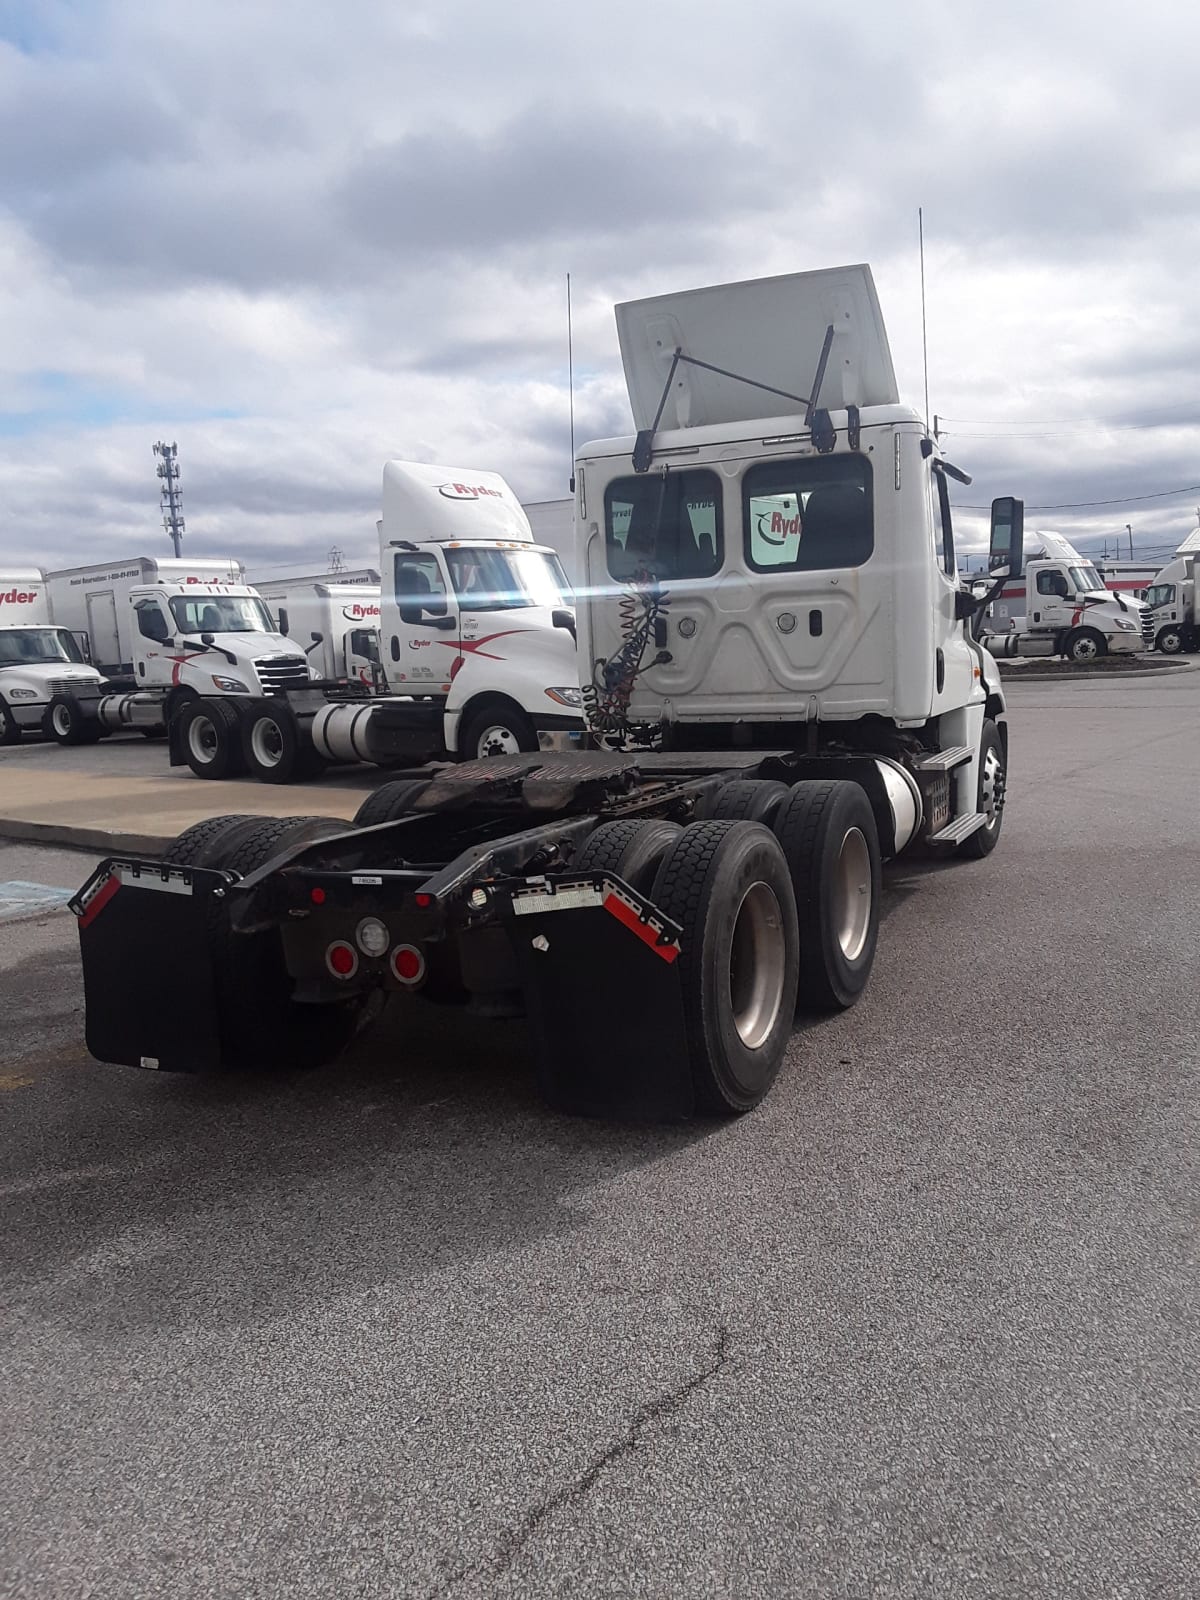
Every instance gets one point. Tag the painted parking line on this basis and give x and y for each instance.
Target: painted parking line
(20, 899)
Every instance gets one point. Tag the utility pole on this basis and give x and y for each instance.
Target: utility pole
(337, 560)
(172, 495)
(1129, 531)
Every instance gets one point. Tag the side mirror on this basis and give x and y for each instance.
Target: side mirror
(1007, 549)
(965, 605)
(317, 638)
(207, 638)
(564, 619)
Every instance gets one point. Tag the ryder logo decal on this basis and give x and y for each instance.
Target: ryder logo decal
(18, 597)
(469, 491)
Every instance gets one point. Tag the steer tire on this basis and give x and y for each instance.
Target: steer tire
(727, 886)
(631, 850)
(1084, 645)
(389, 802)
(993, 777)
(829, 837)
(748, 800)
(210, 736)
(1170, 640)
(261, 1027)
(10, 728)
(66, 722)
(509, 725)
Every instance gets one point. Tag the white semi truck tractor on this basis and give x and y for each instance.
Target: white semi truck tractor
(179, 644)
(39, 663)
(1171, 601)
(334, 622)
(1061, 607)
(781, 666)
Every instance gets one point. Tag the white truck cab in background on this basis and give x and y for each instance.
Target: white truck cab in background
(1171, 600)
(1062, 607)
(37, 660)
(333, 621)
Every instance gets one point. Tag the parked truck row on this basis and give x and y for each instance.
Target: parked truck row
(781, 665)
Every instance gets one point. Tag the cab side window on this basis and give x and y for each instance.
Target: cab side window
(151, 622)
(943, 526)
(1052, 583)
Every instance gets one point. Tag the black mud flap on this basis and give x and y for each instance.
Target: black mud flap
(599, 969)
(147, 967)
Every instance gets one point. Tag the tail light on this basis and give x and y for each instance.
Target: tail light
(342, 959)
(408, 965)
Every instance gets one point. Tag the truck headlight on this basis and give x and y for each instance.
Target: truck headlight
(566, 697)
(1124, 623)
(229, 685)
(22, 694)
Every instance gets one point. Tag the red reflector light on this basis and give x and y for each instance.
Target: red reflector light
(424, 899)
(408, 964)
(342, 959)
(317, 897)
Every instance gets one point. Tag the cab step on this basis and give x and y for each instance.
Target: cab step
(961, 828)
(944, 760)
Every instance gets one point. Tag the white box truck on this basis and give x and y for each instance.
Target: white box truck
(334, 623)
(37, 661)
(775, 645)
(1061, 607)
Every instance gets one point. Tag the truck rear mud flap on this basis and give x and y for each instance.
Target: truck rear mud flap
(147, 966)
(599, 968)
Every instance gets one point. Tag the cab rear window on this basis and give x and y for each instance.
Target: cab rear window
(667, 524)
(809, 514)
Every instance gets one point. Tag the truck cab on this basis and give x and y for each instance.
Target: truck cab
(37, 661)
(210, 639)
(477, 621)
(1064, 608)
(1171, 602)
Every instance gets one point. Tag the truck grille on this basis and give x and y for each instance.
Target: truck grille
(1148, 630)
(282, 672)
(77, 685)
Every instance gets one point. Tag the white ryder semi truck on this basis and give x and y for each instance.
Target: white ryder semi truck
(1061, 607)
(39, 663)
(778, 656)
(476, 642)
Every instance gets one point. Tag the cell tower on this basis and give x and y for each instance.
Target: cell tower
(172, 495)
(336, 559)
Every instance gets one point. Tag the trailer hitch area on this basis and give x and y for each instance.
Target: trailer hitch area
(143, 927)
(599, 969)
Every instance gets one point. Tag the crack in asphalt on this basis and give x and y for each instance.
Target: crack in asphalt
(574, 1493)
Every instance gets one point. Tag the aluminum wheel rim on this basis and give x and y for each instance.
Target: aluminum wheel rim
(757, 965)
(499, 740)
(202, 739)
(61, 718)
(1085, 650)
(852, 894)
(989, 789)
(1169, 644)
(266, 741)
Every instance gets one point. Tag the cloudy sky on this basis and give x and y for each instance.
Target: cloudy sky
(302, 240)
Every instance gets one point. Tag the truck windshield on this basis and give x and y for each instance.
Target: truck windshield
(502, 580)
(1160, 594)
(220, 613)
(21, 647)
(1086, 580)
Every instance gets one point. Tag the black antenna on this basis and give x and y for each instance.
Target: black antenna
(924, 339)
(571, 379)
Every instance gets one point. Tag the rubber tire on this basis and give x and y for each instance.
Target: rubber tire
(477, 723)
(389, 802)
(10, 731)
(1085, 633)
(80, 730)
(748, 800)
(810, 826)
(700, 885)
(228, 761)
(206, 841)
(631, 850)
(1174, 633)
(262, 1028)
(298, 758)
(982, 843)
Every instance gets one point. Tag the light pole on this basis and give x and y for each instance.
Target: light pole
(1129, 531)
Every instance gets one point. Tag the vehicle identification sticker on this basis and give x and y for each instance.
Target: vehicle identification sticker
(363, 881)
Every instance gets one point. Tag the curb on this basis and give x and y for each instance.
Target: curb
(103, 841)
(1026, 675)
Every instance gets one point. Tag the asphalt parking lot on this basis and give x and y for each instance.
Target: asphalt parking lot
(925, 1324)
